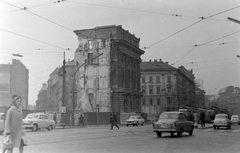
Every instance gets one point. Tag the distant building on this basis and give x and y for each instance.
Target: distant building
(199, 98)
(51, 94)
(165, 87)
(13, 80)
(110, 82)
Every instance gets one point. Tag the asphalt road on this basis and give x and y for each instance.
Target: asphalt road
(141, 139)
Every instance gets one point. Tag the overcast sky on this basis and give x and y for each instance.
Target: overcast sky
(192, 33)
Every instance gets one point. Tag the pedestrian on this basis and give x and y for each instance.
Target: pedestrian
(55, 117)
(190, 116)
(113, 120)
(14, 125)
(202, 118)
(81, 120)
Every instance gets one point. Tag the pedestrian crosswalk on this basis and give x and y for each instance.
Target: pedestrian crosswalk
(222, 130)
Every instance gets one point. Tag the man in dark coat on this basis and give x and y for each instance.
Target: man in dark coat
(202, 118)
(113, 120)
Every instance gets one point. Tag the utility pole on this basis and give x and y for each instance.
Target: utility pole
(63, 83)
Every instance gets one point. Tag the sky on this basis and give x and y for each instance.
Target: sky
(195, 34)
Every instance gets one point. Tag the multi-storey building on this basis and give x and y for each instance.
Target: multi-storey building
(165, 87)
(50, 97)
(13, 80)
(110, 82)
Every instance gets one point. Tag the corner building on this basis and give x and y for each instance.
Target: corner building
(165, 88)
(110, 82)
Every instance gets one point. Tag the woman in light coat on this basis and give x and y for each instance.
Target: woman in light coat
(14, 125)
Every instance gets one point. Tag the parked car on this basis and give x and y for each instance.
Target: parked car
(235, 119)
(221, 120)
(36, 121)
(1, 123)
(135, 120)
(173, 122)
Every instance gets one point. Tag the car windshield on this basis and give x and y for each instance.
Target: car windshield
(221, 116)
(168, 116)
(133, 117)
(32, 116)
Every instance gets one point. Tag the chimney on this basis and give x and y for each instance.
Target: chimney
(155, 60)
(150, 60)
(160, 59)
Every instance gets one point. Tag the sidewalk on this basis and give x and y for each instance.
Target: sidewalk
(207, 125)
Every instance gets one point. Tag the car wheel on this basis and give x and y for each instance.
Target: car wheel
(179, 133)
(35, 127)
(217, 127)
(190, 132)
(172, 134)
(137, 124)
(127, 125)
(230, 127)
(49, 128)
(142, 123)
(214, 127)
(159, 134)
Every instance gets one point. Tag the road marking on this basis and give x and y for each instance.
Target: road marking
(235, 130)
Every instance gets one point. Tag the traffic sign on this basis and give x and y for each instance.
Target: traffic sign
(62, 109)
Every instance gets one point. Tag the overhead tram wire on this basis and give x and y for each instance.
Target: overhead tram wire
(207, 43)
(201, 19)
(136, 10)
(34, 39)
(28, 7)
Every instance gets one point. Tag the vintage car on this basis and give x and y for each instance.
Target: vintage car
(36, 121)
(235, 119)
(1, 122)
(221, 120)
(173, 122)
(135, 120)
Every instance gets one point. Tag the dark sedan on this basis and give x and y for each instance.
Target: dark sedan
(173, 122)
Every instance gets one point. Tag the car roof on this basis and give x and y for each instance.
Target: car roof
(222, 114)
(175, 112)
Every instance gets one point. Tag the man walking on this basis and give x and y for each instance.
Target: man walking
(113, 120)
(81, 120)
(202, 118)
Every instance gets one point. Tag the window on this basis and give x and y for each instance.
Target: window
(143, 89)
(158, 89)
(150, 79)
(143, 101)
(151, 89)
(90, 60)
(41, 117)
(158, 101)
(158, 79)
(151, 101)
(169, 101)
(143, 79)
(169, 79)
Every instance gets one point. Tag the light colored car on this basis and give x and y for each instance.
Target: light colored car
(1, 122)
(135, 120)
(36, 121)
(221, 120)
(235, 119)
(173, 122)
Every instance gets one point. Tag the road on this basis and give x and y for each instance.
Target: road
(141, 139)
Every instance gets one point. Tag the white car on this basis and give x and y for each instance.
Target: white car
(235, 119)
(1, 122)
(135, 120)
(221, 120)
(36, 121)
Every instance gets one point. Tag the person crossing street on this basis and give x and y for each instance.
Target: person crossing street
(113, 120)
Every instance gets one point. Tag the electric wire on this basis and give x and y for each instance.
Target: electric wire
(137, 10)
(207, 43)
(33, 39)
(201, 19)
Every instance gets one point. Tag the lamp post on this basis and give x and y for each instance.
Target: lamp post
(74, 79)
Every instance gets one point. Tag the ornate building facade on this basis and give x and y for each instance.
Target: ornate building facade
(110, 82)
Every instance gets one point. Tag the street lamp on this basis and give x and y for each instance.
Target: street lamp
(73, 89)
(233, 20)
